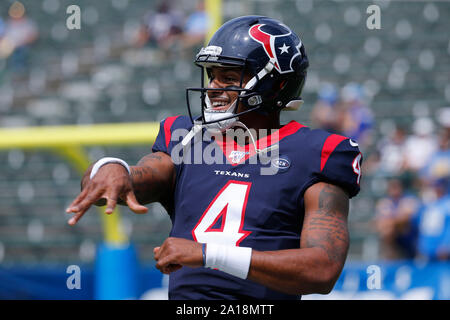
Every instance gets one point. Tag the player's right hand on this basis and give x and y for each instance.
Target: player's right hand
(113, 183)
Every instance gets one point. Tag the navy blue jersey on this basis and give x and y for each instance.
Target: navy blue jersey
(231, 201)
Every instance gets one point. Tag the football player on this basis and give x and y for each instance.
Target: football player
(237, 233)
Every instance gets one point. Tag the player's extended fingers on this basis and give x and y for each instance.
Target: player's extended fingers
(133, 204)
(73, 207)
(76, 217)
(111, 202)
(84, 205)
(89, 200)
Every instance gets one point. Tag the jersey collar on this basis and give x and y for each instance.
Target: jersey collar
(237, 154)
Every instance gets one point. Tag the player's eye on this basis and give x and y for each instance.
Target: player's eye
(231, 79)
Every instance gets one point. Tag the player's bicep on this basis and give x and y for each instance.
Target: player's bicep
(325, 222)
(160, 162)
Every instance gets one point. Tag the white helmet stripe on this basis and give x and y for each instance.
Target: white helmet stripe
(261, 74)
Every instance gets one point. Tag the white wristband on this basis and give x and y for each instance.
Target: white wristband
(106, 160)
(229, 259)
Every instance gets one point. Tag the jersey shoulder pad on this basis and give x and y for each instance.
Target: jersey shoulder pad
(339, 160)
(171, 131)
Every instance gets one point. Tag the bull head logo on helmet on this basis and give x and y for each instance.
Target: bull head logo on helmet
(279, 47)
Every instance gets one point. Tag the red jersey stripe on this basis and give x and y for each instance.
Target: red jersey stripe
(167, 125)
(328, 147)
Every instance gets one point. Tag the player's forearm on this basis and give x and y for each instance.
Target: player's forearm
(147, 185)
(294, 271)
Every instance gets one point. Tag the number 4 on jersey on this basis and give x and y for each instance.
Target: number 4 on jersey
(223, 220)
(357, 167)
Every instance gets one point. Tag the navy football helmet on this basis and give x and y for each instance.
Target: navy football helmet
(266, 49)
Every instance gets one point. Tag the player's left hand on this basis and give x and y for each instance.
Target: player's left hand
(176, 252)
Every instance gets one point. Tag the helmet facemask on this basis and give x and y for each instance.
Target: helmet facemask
(246, 96)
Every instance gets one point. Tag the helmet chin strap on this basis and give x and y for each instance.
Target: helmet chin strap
(255, 146)
(211, 115)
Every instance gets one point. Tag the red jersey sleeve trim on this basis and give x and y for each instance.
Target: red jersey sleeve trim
(328, 147)
(167, 126)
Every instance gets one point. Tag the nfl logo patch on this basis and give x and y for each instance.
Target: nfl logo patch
(237, 156)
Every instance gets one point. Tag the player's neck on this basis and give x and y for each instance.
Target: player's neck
(263, 125)
(259, 125)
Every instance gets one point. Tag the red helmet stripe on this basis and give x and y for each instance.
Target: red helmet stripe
(265, 39)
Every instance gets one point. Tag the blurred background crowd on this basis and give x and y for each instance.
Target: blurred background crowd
(411, 216)
(387, 89)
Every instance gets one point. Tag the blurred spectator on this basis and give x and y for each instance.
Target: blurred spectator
(354, 116)
(433, 223)
(2, 28)
(391, 150)
(393, 214)
(438, 163)
(443, 117)
(160, 28)
(323, 114)
(420, 145)
(20, 32)
(196, 27)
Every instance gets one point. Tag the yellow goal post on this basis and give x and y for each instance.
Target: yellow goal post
(69, 142)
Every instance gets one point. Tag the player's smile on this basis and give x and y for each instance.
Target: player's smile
(221, 100)
(224, 78)
(220, 104)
